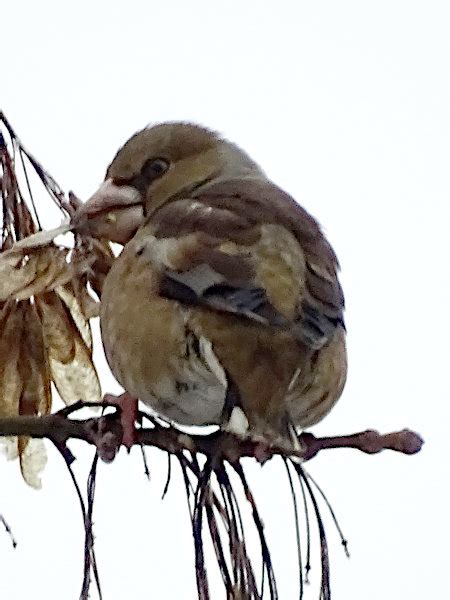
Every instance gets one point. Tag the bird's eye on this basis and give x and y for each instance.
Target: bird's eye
(154, 168)
(151, 170)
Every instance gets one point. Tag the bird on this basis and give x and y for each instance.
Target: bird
(224, 306)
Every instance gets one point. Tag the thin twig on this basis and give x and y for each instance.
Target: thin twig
(169, 475)
(30, 193)
(297, 527)
(144, 460)
(265, 553)
(90, 560)
(8, 531)
(308, 532)
(197, 524)
(85, 585)
(325, 561)
(344, 540)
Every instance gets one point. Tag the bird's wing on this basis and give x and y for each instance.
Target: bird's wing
(245, 247)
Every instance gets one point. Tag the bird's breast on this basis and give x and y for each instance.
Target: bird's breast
(153, 352)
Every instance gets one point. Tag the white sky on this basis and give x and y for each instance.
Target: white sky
(345, 105)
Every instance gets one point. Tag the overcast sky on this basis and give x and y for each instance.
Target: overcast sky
(345, 104)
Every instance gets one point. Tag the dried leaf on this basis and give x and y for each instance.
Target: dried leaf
(67, 294)
(33, 366)
(90, 307)
(72, 270)
(103, 260)
(44, 268)
(39, 239)
(56, 327)
(10, 380)
(79, 286)
(27, 375)
(51, 263)
(7, 240)
(32, 462)
(66, 327)
(77, 379)
(16, 272)
(25, 225)
(9, 448)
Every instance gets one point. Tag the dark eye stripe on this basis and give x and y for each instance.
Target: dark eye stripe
(150, 171)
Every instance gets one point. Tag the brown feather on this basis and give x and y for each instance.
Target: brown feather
(253, 231)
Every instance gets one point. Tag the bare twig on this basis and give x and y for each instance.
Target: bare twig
(89, 552)
(325, 561)
(8, 530)
(90, 561)
(297, 527)
(169, 475)
(369, 441)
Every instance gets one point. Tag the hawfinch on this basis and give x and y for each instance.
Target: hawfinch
(224, 306)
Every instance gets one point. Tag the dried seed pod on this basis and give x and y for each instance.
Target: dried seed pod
(26, 225)
(11, 383)
(16, 273)
(45, 305)
(56, 326)
(50, 264)
(90, 307)
(33, 365)
(33, 459)
(68, 295)
(103, 259)
(78, 378)
(68, 341)
(40, 238)
(35, 398)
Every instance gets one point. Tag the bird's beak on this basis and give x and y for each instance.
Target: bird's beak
(114, 213)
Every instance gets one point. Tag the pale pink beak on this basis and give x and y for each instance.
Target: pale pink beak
(114, 213)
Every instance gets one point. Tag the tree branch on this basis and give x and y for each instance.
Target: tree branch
(222, 516)
(105, 433)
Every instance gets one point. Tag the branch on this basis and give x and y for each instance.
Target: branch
(105, 433)
(221, 511)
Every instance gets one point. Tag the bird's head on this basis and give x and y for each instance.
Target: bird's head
(158, 164)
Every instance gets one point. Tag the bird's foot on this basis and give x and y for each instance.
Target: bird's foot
(106, 438)
(238, 426)
(128, 406)
(263, 450)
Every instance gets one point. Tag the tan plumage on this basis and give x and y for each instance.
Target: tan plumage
(226, 296)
